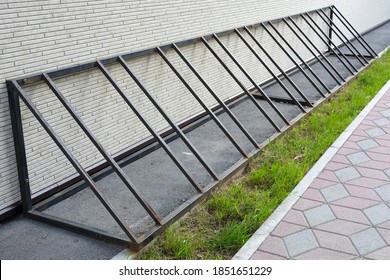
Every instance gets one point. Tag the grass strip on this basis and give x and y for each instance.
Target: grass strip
(221, 225)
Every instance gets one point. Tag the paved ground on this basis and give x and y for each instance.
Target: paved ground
(344, 211)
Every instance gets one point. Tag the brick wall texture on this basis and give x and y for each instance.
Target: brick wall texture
(38, 36)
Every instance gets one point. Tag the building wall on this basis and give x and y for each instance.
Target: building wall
(45, 35)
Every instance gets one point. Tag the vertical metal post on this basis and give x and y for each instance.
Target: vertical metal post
(311, 51)
(316, 48)
(341, 35)
(102, 151)
(353, 31)
(292, 59)
(20, 148)
(220, 102)
(330, 30)
(251, 79)
(327, 44)
(84, 174)
(211, 114)
(248, 94)
(156, 135)
(273, 74)
(332, 43)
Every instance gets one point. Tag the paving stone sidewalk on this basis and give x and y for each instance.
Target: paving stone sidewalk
(345, 211)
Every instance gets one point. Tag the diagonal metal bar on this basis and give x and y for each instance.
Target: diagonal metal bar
(103, 152)
(155, 103)
(353, 31)
(251, 79)
(341, 35)
(207, 109)
(220, 102)
(248, 94)
(155, 134)
(273, 74)
(273, 61)
(312, 52)
(84, 174)
(331, 43)
(318, 50)
(299, 57)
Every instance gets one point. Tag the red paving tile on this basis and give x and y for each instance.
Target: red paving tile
(362, 192)
(378, 157)
(325, 254)
(382, 142)
(305, 204)
(333, 166)
(349, 214)
(352, 145)
(283, 229)
(313, 194)
(274, 245)
(295, 217)
(372, 173)
(346, 151)
(335, 242)
(385, 225)
(259, 255)
(355, 202)
(357, 138)
(328, 175)
(321, 183)
(340, 159)
(373, 164)
(367, 182)
(342, 227)
(381, 254)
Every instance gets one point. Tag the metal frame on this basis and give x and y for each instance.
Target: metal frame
(16, 93)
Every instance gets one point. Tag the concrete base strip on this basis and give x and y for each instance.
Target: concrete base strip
(269, 225)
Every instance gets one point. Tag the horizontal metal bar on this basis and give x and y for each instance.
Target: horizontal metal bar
(80, 229)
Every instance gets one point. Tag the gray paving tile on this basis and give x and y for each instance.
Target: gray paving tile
(300, 242)
(384, 192)
(335, 192)
(319, 215)
(367, 241)
(378, 214)
(374, 132)
(381, 254)
(386, 113)
(347, 174)
(382, 122)
(367, 144)
(357, 158)
(388, 104)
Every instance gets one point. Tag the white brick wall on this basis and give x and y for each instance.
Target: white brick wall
(43, 35)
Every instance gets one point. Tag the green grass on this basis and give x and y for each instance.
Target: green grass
(220, 225)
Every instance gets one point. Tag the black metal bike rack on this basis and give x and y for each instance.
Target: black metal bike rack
(330, 16)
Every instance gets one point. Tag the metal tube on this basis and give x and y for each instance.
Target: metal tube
(155, 134)
(220, 102)
(316, 48)
(350, 28)
(311, 51)
(273, 61)
(340, 34)
(301, 59)
(248, 94)
(73, 161)
(332, 43)
(211, 114)
(273, 74)
(101, 149)
(20, 148)
(251, 80)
